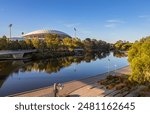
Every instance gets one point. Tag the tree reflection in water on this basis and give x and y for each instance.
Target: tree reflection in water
(119, 54)
(48, 65)
(55, 65)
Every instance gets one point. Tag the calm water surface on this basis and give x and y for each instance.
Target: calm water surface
(19, 76)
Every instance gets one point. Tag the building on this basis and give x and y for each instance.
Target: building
(41, 34)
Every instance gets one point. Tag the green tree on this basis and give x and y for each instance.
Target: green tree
(36, 43)
(139, 58)
(3, 43)
(29, 44)
(23, 44)
(68, 42)
(13, 45)
(52, 42)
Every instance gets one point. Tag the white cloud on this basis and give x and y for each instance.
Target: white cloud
(110, 25)
(113, 23)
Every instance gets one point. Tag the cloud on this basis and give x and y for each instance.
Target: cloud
(110, 25)
(113, 23)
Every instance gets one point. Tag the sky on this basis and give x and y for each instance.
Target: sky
(108, 20)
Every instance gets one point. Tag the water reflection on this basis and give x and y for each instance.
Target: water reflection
(119, 54)
(18, 76)
(55, 65)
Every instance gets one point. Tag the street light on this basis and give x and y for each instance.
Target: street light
(10, 29)
(75, 32)
(115, 69)
(108, 67)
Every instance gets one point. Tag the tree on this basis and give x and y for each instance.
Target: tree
(36, 43)
(52, 42)
(68, 42)
(29, 44)
(3, 43)
(13, 45)
(23, 45)
(122, 45)
(88, 44)
(139, 58)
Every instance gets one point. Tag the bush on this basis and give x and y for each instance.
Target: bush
(120, 86)
(139, 58)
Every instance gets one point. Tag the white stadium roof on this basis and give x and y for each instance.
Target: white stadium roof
(46, 32)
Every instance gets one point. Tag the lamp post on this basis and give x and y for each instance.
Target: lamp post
(75, 32)
(108, 67)
(115, 69)
(10, 29)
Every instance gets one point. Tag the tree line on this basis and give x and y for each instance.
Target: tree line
(122, 45)
(53, 43)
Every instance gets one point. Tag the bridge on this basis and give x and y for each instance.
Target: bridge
(17, 54)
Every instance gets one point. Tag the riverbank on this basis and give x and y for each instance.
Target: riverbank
(74, 88)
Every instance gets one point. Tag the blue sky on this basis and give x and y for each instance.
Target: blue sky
(108, 20)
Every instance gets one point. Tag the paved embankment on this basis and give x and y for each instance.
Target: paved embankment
(76, 87)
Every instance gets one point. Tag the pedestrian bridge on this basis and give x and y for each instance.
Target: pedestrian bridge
(17, 54)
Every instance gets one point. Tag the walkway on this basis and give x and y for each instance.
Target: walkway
(6, 52)
(85, 87)
(16, 54)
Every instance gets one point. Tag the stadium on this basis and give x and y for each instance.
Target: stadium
(41, 34)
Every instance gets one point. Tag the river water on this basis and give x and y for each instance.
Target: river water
(20, 76)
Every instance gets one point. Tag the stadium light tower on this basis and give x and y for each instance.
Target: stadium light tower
(10, 29)
(75, 32)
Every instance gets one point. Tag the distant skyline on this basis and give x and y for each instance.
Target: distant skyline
(108, 20)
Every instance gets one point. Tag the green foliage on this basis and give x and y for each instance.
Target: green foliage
(95, 45)
(122, 45)
(139, 58)
(13, 45)
(52, 42)
(23, 45)
(3, 43)
(29, 43)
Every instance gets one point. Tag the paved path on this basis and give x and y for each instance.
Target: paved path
(96, 90)
(6, 52)
(84, 87)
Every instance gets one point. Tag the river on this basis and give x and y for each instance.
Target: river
(20, 76)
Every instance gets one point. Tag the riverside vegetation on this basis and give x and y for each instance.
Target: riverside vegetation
(138, 83)
(52, 46)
